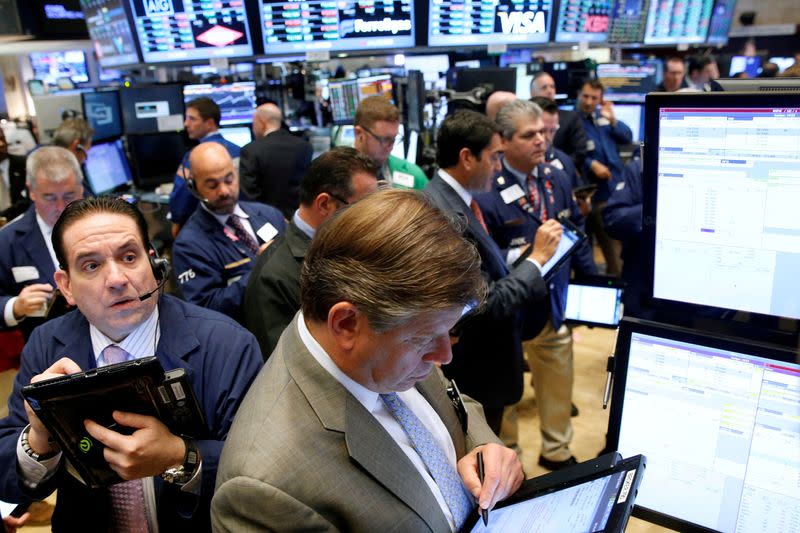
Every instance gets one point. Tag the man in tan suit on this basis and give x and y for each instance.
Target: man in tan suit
(349, 426)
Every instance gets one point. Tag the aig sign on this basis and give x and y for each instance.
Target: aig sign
(158, 7)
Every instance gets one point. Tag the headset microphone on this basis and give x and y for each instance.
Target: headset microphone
(160, 269)
(147, 295)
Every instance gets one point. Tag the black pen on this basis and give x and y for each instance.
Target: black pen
(484, 512)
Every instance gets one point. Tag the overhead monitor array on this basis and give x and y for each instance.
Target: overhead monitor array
(111, 32)
(580, 20)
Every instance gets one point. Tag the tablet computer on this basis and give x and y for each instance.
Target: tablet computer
(599, 503)
(571, 238)
(138, 386)
(594, 301)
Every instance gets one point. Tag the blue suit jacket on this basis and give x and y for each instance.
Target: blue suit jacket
(212, 269)
(22, 245)
(511, 225)
(221, 360)
(562, 161)
(487, 359)
(182, 202)
(605, 140)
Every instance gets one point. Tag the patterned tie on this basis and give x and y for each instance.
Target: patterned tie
(242, 234)
(476, 210)
(447, 479)
(128, 513)
(535, 195)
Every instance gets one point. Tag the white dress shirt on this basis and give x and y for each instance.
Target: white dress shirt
(374, 405)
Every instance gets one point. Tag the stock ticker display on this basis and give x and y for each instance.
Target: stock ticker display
(110, 32)
(628, 20)
(336, 25)
(678, 21)
(583, 20)
(481, 22)
(183, 30)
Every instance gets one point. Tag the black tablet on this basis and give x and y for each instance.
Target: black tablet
(594, 301)
(598, 503)
(571, 238)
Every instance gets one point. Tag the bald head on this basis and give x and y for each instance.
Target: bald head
(267, 118)
(215, 177)
(496, 102)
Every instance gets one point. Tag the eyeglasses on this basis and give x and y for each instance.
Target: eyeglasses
(386, 141)
(338, 198)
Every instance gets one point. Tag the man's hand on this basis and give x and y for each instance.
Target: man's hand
(546, 241)
(502, 474)
(39, 437)
(600, 171)
(265, 246)
(584, 205)
(607, 111)
(32, 299)
(11, 523)
(149, 451)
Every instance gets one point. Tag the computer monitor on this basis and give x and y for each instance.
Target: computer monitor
(52, 66)
(759, 84)
(107, 167)
(111, 32)
(153, 109)
(583, 21)
(628, 21)
(50, 107)
(433, 68)
(344, 100)
(236, 101)
(633, 117)
(719, 422)
(500, 79)
(627, 82)
(678, 21)
(375, 86)
(782, 62)
(153, 171)
(455, 23)
(240, 136)
(191, 31)
(719, 191)
(750, 65)
(101, 110)
(335, 26)
(721, 20)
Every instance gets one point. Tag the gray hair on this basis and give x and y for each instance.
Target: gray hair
(71, 130)
(507, 116)
(52, 163)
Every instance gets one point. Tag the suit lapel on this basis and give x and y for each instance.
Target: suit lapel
(432, 390)
(75, 341)
(297, 241)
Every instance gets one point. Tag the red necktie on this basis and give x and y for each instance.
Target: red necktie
(244, 237)
(476, 210)
(537, 202)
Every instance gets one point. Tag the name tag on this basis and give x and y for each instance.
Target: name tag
(512, 194)
(557, 163)
(603, 121)
(590, 145)
(24, 273)
(403, 179)
(267, 232)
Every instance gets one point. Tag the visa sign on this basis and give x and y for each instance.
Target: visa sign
(522, 22)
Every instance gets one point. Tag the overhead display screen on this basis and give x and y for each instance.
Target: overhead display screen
(721, 20)
(583, 20)
(110, 32)
(464, 22)
(185, 30)
(336, 25)
(678, 21)
(52, 66)
(628, 20)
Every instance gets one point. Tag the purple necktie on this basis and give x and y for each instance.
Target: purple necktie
(242, 234)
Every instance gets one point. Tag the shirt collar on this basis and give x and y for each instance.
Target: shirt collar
(522, 178)
(141, 342)
(223, 219)
(463, 193)
(302, 225)
(366, 397)
(207, 136)
(47, 234)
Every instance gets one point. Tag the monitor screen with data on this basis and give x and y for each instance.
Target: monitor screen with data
(628, 19)
(678, 21)
(102, 112)
(628, 82)
(107, 167)
(236, 101)
(579, 20)
(725, 232)
(110, 31)
(719, 422)
(721, 21)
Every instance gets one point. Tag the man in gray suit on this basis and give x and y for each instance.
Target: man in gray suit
(349, 427)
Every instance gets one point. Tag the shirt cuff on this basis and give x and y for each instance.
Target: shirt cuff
(195, 483)
(8, 313)
(34, 472)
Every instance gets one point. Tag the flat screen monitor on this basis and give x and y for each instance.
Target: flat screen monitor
(52, 66)
(236, 101)
(678, 21)
(152, 109)
(335, 26)
(782, 62)
(101, 110)
(464, 23)
(375, 86)
(344, 100)
(49, 109)
(719, 422)
(153, 171)
(627, 82)
(57, 18)
(721, 20)
(190, 30)
(433, 68)
(500, 79)
(111, 32)
(579, 20)
(750, 65)
(240, 136)
(719, 200)
(107, 167)
(633, 117)
(628, 21)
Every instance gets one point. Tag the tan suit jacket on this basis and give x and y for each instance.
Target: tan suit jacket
(304, 455)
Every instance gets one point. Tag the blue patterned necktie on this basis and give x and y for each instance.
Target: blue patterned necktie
(447, 479)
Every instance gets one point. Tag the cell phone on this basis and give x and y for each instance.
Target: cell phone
(584, 191)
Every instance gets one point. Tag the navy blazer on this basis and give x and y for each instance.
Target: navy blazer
(212, 269)
(511, 225)
(562, 161)
(221, 360)
(22, 245)
(487, 359)
(603, 147)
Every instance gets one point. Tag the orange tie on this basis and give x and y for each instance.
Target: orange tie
(476, 210)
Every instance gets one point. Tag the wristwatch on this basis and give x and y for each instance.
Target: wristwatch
(182, 474)
(26, 447)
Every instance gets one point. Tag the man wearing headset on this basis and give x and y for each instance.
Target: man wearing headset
(218, 246)
(108, 273)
